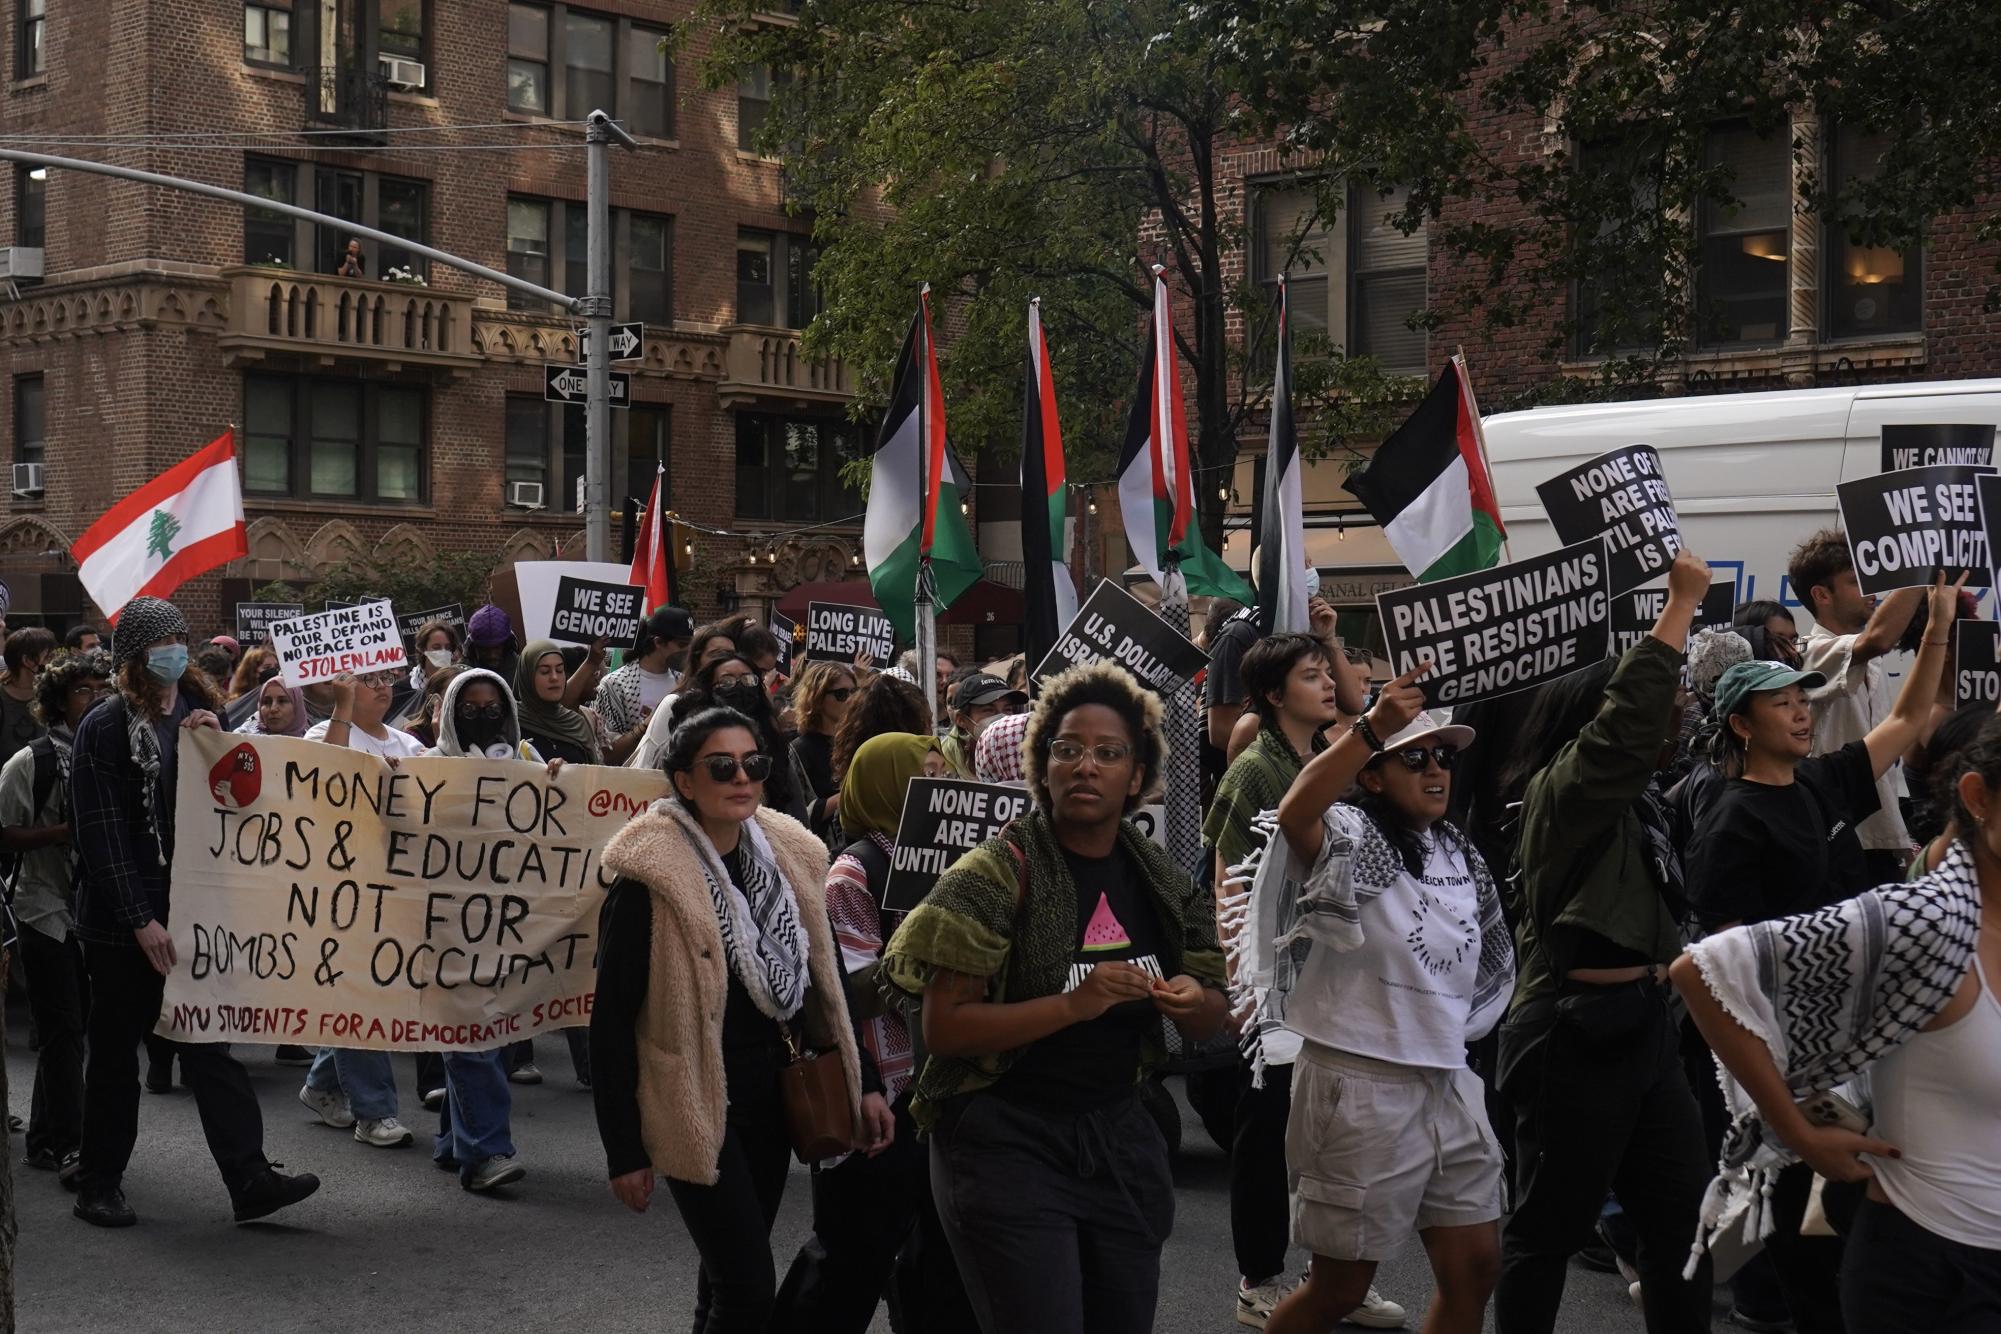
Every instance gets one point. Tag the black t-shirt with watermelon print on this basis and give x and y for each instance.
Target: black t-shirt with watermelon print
(1089, 1064)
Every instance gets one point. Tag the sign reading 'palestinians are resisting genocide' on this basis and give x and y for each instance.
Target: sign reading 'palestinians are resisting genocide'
(323, 897)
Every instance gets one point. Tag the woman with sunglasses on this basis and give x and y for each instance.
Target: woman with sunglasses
(820, 698)
(694, 1021)
(733, 682)
(1406, 960)
(1044, 961)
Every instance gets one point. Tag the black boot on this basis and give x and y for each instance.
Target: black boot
(270, 1190)
(103, 1205)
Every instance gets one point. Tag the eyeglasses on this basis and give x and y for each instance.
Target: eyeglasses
(723, 768)
(1416, 758)
(1107, 754)
(840, 694)
(378, 680)
(493, 712)
(724, 682)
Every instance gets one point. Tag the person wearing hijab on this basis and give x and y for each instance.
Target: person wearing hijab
(554, 728)
(280, 711)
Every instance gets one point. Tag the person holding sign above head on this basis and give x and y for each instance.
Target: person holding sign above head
(124, 772)
(717, 967)
(361, 703)
(1044, 961)
(1590, 1054)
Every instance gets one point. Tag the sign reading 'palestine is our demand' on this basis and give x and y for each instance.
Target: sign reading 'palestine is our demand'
(1622, 495)
(1497, 631)
(1904, 527)
(321, 897)
(358, 639)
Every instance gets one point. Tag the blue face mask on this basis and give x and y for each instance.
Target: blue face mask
(167, 663)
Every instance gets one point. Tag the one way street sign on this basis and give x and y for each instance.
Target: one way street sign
(627, 342)
(568, 384)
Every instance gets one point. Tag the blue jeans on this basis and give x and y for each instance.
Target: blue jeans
(366, 1076)
(473, 1122)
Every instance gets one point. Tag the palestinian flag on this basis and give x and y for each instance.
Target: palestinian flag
(1282, 539)
(653, 553)
(908, 525)
(1156, 489)
(1428, 485)
(1051, 594)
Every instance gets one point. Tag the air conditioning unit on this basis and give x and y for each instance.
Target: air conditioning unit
(20, 261)
(401, 73)
(27, 479)
(520, 495)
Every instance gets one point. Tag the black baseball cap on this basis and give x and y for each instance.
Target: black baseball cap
(670, 624)
(979, 688)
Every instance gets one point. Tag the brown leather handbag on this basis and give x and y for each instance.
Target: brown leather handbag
(815, 1088)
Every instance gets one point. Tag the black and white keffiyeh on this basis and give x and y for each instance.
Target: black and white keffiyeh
(762, 936)
(1830, 993)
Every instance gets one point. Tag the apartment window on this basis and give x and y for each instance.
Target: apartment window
(774, 279)
(789, 467)
(548, 243)
(1627, 256)
(269, 238)
(31, 30)
(400, 206)
(1871, 289)
(1292, 240)
(267, 32)
(562, 59)
(30, 419)
(392, 204)
(753, 104)
(1746, 246)
(528, 442)
(1387, 282)
(31, 195)
(401, 30)
(333, 439)
(644, 450)
(546, 444)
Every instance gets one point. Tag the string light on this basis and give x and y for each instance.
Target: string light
(771, 557)
(964, 508)
(854, 558)
(1223, 492)
(1091, 501)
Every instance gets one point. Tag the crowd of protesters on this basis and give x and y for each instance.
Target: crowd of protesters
(1684, 950)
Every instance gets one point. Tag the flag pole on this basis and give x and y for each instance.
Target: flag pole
(1479, 433)
(925, 607)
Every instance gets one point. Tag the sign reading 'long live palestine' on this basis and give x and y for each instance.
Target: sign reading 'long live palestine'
(1114, 626)
(1623, 496)
(837, 632)
(1497, 631)
(1904, 527)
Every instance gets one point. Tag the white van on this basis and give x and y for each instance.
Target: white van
(1752, 474)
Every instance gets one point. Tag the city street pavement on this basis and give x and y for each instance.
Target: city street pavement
(392, 1243)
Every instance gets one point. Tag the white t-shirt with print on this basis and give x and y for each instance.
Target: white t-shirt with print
(1857, 696)
(393, 745)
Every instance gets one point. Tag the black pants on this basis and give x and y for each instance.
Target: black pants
(57, 991)
(730, 1222)
(1057, 1221)
(124, 1006)
(1260, 1213)
(1902, 1278)
(1808, 1268)
(874, 1225)
(430, 1072)
(1598, 1112)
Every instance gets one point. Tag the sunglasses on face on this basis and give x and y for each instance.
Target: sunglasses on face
(1416, 758)
(840, 693)
(725, 681)
(723, 768)
(493, 712)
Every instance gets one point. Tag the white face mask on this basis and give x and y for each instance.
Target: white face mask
(438, 657)
(1312, 582)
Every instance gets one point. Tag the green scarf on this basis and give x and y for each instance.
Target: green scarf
(872, 792)
(541, 718)
(970, 924)
(1256, 781)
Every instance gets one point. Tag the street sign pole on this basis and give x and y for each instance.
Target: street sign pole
(599, 134)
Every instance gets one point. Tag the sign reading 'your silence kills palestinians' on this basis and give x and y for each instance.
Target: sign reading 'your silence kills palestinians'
(1904, 527)
(1497, 631)
(1622, 496)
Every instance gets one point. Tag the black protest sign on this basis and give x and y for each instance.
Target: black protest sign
(837, 632)
(451, 614)
(587, 611)
(1976, 675)
(785, 630)
(1497, 631)
(1634, 613)
(254, 619)
(944, 818)
(1114, 626)
(1987, 495)
(1623, 496)
(1904, 527)
(1907, 445)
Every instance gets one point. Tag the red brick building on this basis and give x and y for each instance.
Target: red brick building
(384, 423)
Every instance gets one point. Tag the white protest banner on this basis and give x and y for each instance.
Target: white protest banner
(1976, 675)
(942, 819)
(322, 897)
(1622, 496)
(537, 582)
(1914, 445)
(358, 639)
(1493, 632)
(587, 610)
(1634, 613)
(837, 632)
(1114, 626)
(1904, 527)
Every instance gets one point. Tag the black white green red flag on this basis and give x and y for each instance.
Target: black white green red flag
(1050, 593)
(1428, 485)
(652, 553)
(1282, 537)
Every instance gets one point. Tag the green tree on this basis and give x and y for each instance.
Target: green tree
(459, 576)
(160, 536)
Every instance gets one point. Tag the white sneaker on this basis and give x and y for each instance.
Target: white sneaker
(527, 1073)
(331, 1108)
(383, 1132)
(1255, 1302)
(1377, 1312)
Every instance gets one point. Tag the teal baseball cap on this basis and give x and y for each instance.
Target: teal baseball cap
(1745, 679)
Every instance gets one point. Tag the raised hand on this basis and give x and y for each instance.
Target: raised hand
(1688, 577)
(1399, 703)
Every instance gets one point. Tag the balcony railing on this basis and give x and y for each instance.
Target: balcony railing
(278, 310)
(348, 97)
(770, 364)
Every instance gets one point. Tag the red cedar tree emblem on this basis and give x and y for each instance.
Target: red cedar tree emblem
(237, 778)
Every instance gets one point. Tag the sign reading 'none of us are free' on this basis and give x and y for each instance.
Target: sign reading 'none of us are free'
(1623, 496)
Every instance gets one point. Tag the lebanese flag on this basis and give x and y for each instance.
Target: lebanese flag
(652, 556)
(1428, 485)
(1052, 594)
(1156, 488)
(183, 523)
(1282, 541)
